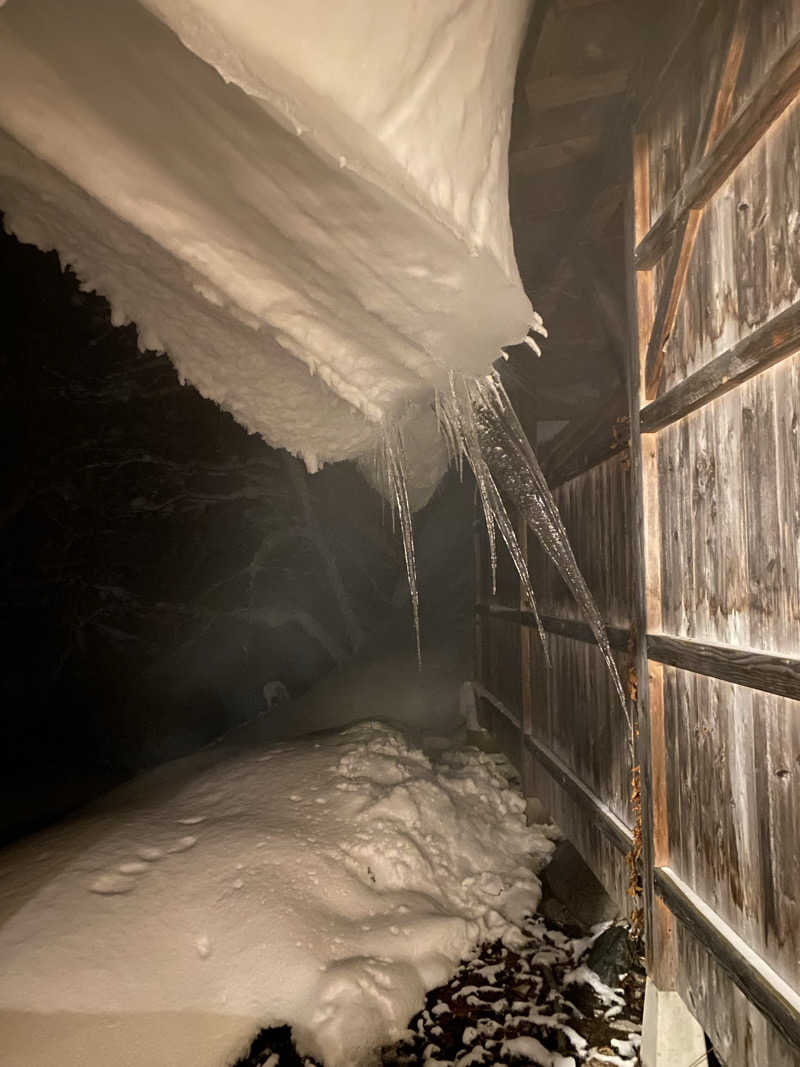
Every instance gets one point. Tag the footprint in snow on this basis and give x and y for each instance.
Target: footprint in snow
(183, 844)
(150, 855)
(108, 885)
(134, 867)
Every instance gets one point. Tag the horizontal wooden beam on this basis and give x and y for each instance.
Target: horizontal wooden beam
(527, 161)
(562, 89)
(587, 442)
(779, 88)
(767, 345)
(597, 812)
(597, 452)
(762, 986)
(487, 695)
(756, 670)
(573, 628)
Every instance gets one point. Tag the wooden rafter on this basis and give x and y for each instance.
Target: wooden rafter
(714, 120)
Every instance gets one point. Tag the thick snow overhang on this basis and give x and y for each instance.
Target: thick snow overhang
(304, 204)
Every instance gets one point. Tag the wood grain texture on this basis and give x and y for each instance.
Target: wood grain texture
(587, 442)
(577, 629)
(526, 639)
(756, 670)
(595, 810)
(577, 715)
(734, 787)
(729, 476)
(746, 267)
(725, 485)
(778, 90)
(595, 507)
(738, 1031)
(776, 339)
(760, 984)
(715, 116)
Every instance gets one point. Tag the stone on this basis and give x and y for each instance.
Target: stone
(612, 954)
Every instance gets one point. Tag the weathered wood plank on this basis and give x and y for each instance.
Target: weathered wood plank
(595, 507)
(764, 347)
(650, 751)
(587, 442)
(477, 591)
(527, 637)
(598, 813)
(715, 116)
(746, 267)
(740, 1034)
(575, 629)
(757, 980)
(730, 483)
(756, 670)
(606, 861)
(779, 89)
(677, 61)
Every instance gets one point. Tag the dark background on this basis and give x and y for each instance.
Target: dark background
(160, 564)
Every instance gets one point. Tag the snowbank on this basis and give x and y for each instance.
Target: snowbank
(304, 204)
(327, 883)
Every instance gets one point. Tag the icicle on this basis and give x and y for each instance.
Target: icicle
(478, 423)
(460, 416)
(458, 411)
(538, 325)
(502, 440)
(395, 473)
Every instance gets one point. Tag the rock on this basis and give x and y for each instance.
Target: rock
(572, 883)
(612, 954)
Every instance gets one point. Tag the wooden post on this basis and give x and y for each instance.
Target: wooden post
(477, 592)
(651, 748)
(526, 639)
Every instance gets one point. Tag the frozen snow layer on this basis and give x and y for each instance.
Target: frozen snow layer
(273, 191)
(327, 883)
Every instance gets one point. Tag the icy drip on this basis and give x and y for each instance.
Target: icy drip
(393, 471)
(506, 450)
(479, 424)
(457, 411)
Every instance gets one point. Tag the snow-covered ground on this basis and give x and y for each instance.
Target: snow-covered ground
(326, 882)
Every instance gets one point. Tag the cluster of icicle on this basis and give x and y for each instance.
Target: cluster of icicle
(479, 425)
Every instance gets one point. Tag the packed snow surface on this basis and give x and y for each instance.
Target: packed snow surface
(304, 204)
(327, 883)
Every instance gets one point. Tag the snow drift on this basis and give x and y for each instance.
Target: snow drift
(327, 882)
(304, 204)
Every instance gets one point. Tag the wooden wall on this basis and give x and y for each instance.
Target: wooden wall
(575, 710)
(690, 541)
(571, 735)
(717, 221)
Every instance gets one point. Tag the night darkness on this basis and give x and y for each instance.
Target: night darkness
(160, 564)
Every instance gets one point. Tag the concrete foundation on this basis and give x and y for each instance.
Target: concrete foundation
(671, 1036)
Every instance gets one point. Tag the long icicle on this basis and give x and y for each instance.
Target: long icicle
(513, 460)
(459, 412)
(395, 473)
